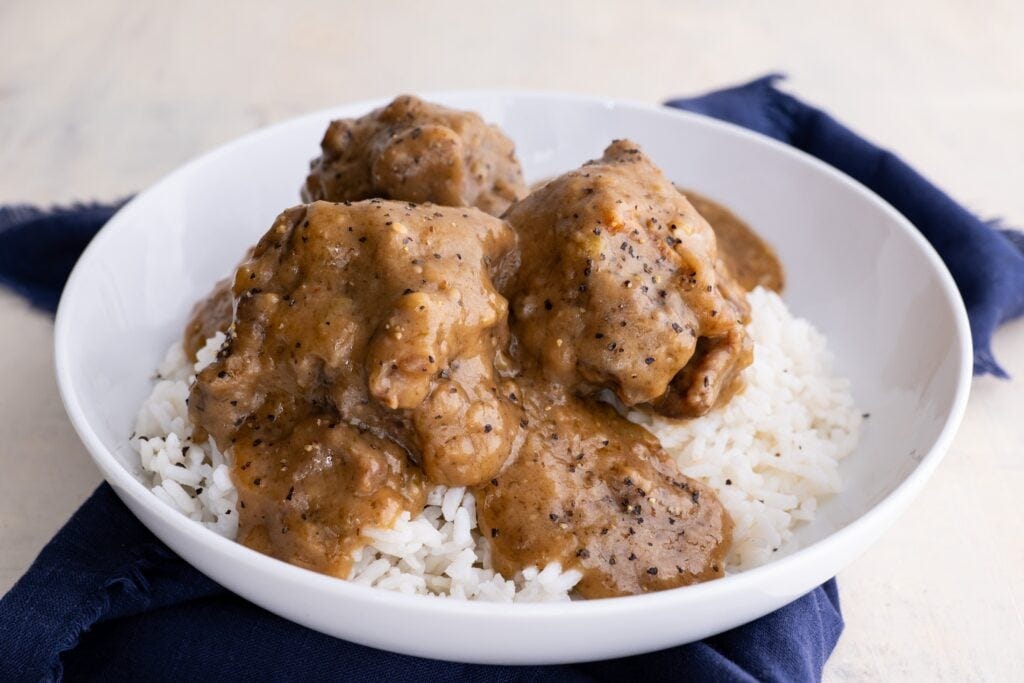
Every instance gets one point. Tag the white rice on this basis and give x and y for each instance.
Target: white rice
(771, 453)
(773, 450)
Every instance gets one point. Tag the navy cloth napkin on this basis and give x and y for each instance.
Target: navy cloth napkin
(105, 599)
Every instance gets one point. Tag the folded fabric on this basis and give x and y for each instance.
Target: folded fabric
(105, 599)
(987, 263)
(40, 247)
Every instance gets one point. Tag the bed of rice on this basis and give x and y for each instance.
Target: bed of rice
(771, 454)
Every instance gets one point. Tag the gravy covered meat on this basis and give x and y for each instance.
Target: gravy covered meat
(307, 490)
(621, 288)
(420, 152)
(372, 352)
(596, 492)
(378, 321)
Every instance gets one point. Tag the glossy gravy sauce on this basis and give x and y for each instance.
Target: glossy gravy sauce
(377, 347)
(750, 259)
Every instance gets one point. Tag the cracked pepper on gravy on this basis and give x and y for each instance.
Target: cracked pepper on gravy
(424, 320)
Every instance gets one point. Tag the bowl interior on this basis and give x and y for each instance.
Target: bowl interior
(854, 267)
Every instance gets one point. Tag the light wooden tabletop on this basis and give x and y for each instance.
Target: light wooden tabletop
(99, 99)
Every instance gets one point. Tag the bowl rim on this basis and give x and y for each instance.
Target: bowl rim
(125, 484)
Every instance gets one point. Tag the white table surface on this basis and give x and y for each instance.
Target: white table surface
(100, 99)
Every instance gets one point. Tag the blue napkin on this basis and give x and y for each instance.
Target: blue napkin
(105, 599)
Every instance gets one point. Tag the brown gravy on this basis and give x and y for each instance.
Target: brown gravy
(748, 257)
(750, 260)
(365, 353)
(619, 287)
(419, 152)
(594, 491)
(371, 351)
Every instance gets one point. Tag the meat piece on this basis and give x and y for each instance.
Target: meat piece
(593, 491)
(619, 285)
(366, 337)
(711, 377)
(209, 316)
(419, 152)
(307, 492)
(369, 352)
(383, 314)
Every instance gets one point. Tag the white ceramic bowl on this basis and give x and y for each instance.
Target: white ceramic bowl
(856, 268)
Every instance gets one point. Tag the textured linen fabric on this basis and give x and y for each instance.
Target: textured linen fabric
(106, 600)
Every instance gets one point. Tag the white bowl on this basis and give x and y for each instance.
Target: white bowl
(855, 267)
